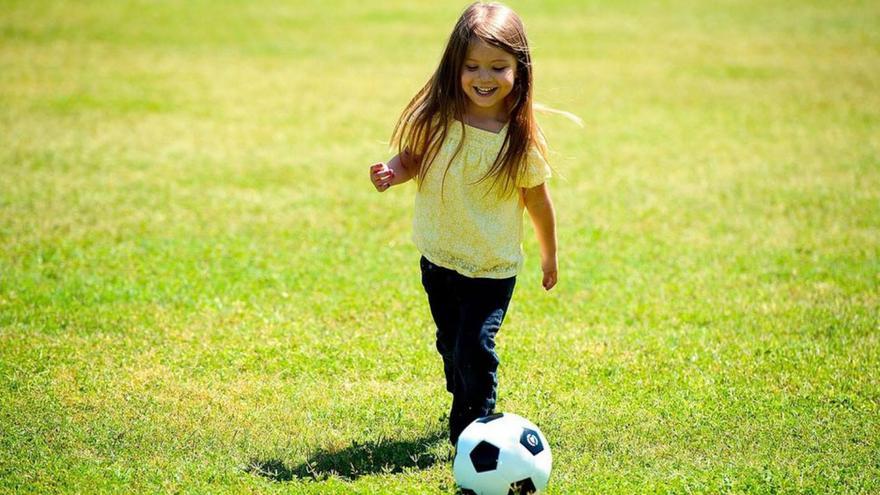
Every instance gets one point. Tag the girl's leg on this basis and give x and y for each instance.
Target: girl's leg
(483, 306)
(468, 313)
(439, 285)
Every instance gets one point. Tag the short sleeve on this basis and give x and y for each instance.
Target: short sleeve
(537, 170)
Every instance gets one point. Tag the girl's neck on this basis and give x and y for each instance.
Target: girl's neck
(485, 116)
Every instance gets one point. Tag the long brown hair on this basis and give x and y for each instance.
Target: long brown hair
(424, 123)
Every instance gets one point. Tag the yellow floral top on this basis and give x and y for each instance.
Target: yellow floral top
(472, 229)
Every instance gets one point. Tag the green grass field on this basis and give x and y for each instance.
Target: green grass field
(201, 292)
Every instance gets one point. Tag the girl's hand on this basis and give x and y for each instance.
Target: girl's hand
(550, 274)
(549, 280)
(381, 176)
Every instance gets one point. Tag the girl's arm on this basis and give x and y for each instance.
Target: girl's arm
(397, 171)
(540, 207)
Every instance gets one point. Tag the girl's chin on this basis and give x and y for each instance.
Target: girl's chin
(493, 105)
(484, 102)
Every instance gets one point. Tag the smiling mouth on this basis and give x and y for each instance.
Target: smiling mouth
(485, 92)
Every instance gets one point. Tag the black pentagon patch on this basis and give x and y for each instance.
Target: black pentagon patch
(522, 487)
(466, 491)
(485, 457)
(491, 417)
(531, 441)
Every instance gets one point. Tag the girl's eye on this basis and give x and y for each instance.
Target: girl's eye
(474, 67)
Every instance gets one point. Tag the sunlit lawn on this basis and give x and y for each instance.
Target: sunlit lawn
(201, 292)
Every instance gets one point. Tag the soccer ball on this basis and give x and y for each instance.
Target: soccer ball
(501, 454)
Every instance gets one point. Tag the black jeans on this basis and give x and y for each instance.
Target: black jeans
(468, 313)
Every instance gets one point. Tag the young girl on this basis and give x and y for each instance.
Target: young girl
(470, 141)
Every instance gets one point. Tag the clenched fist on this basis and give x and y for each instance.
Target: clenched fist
(381, 176)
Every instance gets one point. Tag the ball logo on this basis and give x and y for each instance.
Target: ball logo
(532, 439)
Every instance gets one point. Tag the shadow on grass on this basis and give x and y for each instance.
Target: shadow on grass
(359, 459)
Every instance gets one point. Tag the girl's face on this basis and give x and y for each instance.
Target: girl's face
(487, 77)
